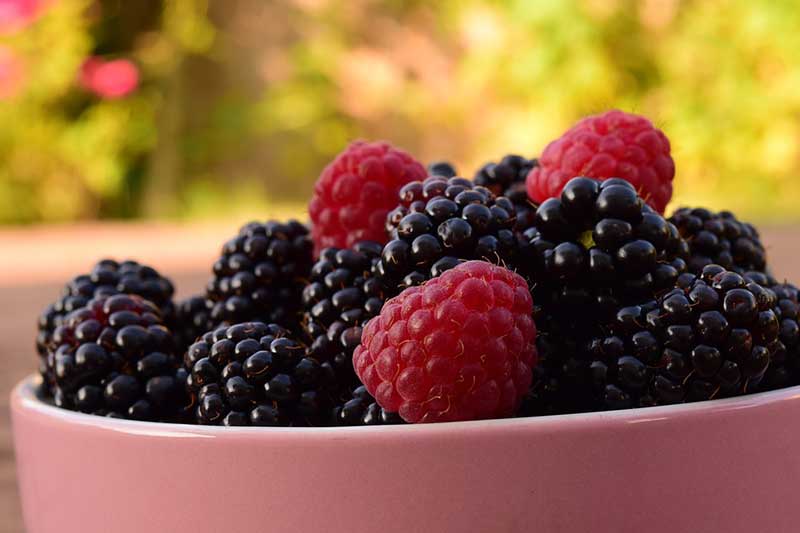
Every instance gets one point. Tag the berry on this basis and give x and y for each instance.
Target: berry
(192, 319)
(355, 191)
(613, 144)
(460, 347)
(599, 247)
(342, 295)
(443, 169)
(260, 275)
(106, 278)
(714, 335)
(719, 238)
(361, 409)
(507, 178)
(114, 357)
(256, 374)
(441, 222)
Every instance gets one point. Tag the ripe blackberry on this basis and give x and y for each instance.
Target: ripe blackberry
(256, 374)
(598, 247)
(192, 319)
(711, 336)
(507, 178)
(443, 169)
(441, 223)
(260, 275)
(721, 239)
(114, 357)
(361, 409)
(106, 278)
(342, 296)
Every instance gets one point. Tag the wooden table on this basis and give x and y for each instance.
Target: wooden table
(184, 250)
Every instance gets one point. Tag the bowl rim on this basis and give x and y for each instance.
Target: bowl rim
(25, 400)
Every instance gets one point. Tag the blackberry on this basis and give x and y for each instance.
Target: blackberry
(342, 295)
(256, 374)
(443, 169)
(260, 275)
(719, 238)
(714, 335)
(114, 357)
(440, 223)
(361, 409)
(598, 247)
(192, 319)
(507, 178)
(107, 277)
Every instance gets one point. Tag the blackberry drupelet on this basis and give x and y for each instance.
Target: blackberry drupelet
(721, 239)
(507, 178)
(256, 374)
(260, 275)
(107, 277)
(598, 247)
(361, 409)
(192, 319)
(441, 223)
(711, 336)
(443, 169)
(342, 295)
(114, 357)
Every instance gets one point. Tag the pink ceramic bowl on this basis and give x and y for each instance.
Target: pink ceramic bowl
(723, 466)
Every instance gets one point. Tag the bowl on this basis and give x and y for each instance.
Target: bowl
(720, 466)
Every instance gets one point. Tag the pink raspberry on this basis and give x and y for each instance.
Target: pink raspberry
(459, 347)
(612, 145)
(355, 192)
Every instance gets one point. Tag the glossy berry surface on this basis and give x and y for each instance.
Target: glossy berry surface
(613, 144)
(361, 409)
(254, 374)
(107, 277)
(507, 178)
(440, 223)
(114, 357)
(342, 295)
(459, 347)
(192, 319)
(713, 336)
(719, 238)
(260, 275)
(356, 190)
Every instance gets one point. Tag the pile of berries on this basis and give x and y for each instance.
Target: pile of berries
(540, 286)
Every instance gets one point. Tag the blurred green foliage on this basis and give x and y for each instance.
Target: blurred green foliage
(242, 102)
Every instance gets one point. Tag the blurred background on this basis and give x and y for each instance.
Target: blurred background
(152, 128)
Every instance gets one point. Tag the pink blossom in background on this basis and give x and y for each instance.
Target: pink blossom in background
(16, 14)
(109, 79)
(12, 73)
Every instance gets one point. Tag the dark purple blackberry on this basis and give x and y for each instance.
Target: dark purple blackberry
(721, 239)
(443, 169)
(114, 357)
(440, 223)
(107, 277)
(362, 410)
(254, 374)
(599, 247)
(342, 295)
(711, 336)
(261, 274)
(507, 178)
(192, 319)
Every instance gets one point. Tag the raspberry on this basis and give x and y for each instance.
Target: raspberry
(355, 192)
(459, 347)
(614, 144)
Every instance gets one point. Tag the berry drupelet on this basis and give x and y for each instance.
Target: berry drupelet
(711, 336)
(342, 295)
(721, 239)
(442, 222)
(114, 357)
(261, 274)
(598, 247)
(362, 410)
(107, 277)
(443, 169)
(192, 319)
(256, 374)
(507, 178)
